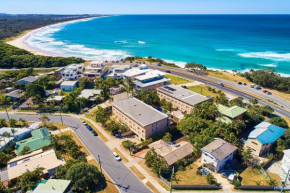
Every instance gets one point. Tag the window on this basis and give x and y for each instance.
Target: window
(254, 143)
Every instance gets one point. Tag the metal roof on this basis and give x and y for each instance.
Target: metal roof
(52, 186)
(29, 79)
(69, 83)
(87, 93)
(16, 94)
(184, 95)
(139, 111)
(231, 112)
(266, 133)
(219, 148)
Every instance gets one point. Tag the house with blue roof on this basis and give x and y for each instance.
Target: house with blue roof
(263, 137)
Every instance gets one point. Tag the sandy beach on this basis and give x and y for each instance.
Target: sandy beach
(19, 41)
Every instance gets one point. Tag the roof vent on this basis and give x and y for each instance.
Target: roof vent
(135, 105)
(140, 114)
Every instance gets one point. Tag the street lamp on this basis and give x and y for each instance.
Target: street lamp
(4, 107)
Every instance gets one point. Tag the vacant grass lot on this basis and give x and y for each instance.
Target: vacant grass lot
(202, 89)
(189, 176)
(252, 175)
(177, 79)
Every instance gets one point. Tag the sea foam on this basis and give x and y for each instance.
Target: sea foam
(267, 55)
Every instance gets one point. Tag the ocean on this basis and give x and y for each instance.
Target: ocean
(227, 42)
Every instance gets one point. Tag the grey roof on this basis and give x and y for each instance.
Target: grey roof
(68, 83)
(170, 153)
(29, 79)
(16, 94)
(88, 93)
(184, 95)
(139, 111)
(219, 148)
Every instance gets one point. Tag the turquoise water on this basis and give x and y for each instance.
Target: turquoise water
(226, 42)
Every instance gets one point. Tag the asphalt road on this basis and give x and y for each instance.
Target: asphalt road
(181, 72)
(125, 180)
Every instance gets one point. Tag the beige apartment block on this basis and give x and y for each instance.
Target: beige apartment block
(142, 119)
(181, 98)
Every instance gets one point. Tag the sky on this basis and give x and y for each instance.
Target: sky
(145, 6)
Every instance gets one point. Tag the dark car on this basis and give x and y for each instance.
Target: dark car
(245, 83)
(167, 71)
(240, 83)
(94, 133)
(184, 86)
(89, 127)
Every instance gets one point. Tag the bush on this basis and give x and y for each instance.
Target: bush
(198, 172)
(237, 183)
(127, 144)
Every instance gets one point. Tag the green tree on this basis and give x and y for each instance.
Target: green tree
(210, 179)
(83, 175)
(254, 101)
(279, 122)
(44, 118)
(25, 150)
(12, 122)
(35, 89)
(29, 179)
(4, 158)
(3, 123)
(221, 98)
(267, 110)
(148, 97)
(247, 156)
(23, 121)
(101, 115)
(167, 137)
(237, 101)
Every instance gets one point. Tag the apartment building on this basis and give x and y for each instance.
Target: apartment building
(135, 72)
(150, 80)
(95, 70)
(116, 71)
(142, 119)
(181, 98)
(72, 72)
(263, 137)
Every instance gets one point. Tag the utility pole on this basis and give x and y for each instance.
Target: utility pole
(6, 112)
(129, 146)
(100, 163)
(171, 179)
(284, 184)
(60, 109)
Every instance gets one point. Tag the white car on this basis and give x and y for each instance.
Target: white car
(116, 156)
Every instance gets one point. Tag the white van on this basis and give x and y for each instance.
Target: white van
(253, 85)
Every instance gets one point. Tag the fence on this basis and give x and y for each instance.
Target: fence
(190, 187)
(255, 187)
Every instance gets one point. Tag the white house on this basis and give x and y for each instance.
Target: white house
(19, 133)
(116, 71)
(217, 154)
(285, 163)
(68, 85)
(150, 80)
(134, 72)
(73, 71)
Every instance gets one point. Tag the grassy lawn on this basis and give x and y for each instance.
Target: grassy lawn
(251, 175)
(202, 89)
(275, 177)
(177, 79)
(150, 185)
(189, 176)
(137, 173)
(58, 125)
(228, 76)
(98, 131)
(78, 142)
(124, 159)
(110, 188)
(148, 170)
(8, 109)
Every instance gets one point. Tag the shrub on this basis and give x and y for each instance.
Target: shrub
(198, 172)
(237, 183)
(127, 144)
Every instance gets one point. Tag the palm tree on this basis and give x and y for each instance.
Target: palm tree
(44, 118)
(5, 135)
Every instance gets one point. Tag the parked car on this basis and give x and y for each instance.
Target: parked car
(55, 92)
(221, 84)
(89, 127)
(94, 133)
(158, 64)
(116, 156)
(224, 175)
(258, 87)
(232, 178)
(244, 83)
(204, 171)
(265, 91)
(269, 93)
(167, 71)
(253, 85)
(240, 83)
(84, 123)
(184, 86)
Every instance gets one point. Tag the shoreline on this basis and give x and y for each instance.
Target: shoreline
(19, 41)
